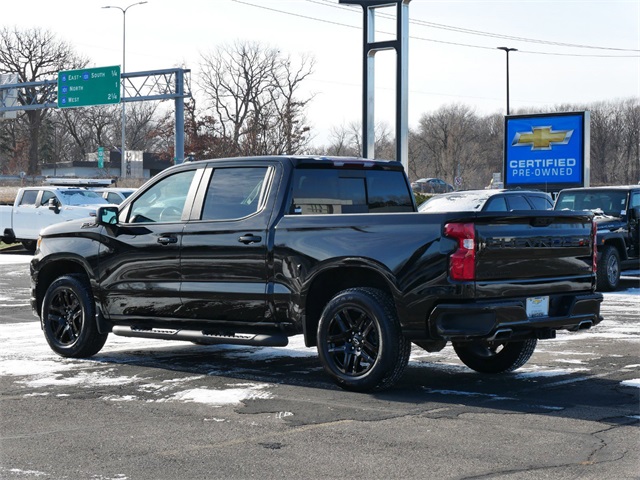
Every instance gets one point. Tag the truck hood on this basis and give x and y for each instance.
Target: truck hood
(69, 227)
(83, 209)
(605, 222)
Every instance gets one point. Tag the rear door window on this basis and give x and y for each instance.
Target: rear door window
(234, 193)
(518, 202)
(29, 198)
(540, 202)
(496, 204)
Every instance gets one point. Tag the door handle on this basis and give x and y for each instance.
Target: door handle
(167, 240)
(250, 238)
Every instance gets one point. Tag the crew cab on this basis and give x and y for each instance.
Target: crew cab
(251, 251)
(617, 216)
(38, 207)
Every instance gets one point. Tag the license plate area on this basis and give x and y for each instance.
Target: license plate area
(537, 307)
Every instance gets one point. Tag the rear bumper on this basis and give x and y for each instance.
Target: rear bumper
(507, 319)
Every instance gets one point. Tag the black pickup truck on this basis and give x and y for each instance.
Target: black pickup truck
(617, 216)
(251, 251)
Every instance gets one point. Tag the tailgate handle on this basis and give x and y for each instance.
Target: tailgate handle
(167, 240)
(250, 238)
(541, 222)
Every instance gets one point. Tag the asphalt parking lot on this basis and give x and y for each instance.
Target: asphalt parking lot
(148, 409)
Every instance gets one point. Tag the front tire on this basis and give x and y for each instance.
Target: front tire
(68, 318)
(495, 357)
(608, 276)
(360, 342)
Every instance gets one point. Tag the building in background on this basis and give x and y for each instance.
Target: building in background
(138, 165)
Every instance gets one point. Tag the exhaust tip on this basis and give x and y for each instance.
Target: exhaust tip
(585, 325)
(503, 334)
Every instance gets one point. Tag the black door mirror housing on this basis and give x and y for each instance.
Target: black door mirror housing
(107, 215)
(54, 205)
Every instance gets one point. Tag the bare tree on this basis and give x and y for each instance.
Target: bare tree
(615, 140)
(447, 144)
(82, 130)
(346, 140)
(252, 94)
(340, 143)
(290, 132)
(34, 55)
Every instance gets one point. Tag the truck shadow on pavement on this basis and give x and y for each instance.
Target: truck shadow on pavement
(426, 389)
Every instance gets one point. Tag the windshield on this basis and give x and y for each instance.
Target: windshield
(610, 202)
(80, 197)
(456, 202)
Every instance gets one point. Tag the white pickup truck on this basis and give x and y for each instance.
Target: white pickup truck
(38, 207)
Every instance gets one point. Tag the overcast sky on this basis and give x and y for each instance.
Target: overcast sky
(452, 47)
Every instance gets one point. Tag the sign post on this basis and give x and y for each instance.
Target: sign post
(89, 86)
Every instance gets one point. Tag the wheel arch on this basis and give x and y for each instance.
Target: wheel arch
(615, 242)
(333, 279)
(49, 271)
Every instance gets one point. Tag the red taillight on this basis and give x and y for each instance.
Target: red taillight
(462, 263)
(594, 230)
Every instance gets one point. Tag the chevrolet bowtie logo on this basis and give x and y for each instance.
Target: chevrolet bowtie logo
(542, 138)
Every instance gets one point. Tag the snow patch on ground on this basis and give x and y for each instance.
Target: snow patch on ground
(631, 383)
(528, 373)
(218, 398)
(14, 259)
(25, 354)
(26, 473)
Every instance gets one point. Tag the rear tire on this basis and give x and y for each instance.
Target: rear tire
(495, 357)
(608, 275)
(69, 320)
(360, 342)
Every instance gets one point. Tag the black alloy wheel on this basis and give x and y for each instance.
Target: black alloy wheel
(359, 340)
(68, 318)
(495, 357)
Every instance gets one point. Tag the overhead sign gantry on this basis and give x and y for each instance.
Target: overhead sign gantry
(173, 83)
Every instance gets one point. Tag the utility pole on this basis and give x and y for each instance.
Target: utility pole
(124, 34)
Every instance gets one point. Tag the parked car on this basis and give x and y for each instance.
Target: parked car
(431, 185)
(39, 207)
(617, 216)
(114, 195)
(250, 251)
(488, 201)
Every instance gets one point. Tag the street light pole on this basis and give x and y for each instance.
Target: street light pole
(507, 50)
(124, 33)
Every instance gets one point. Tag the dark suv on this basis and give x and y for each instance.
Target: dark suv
(617, 211)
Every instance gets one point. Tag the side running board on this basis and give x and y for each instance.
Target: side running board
(197, 336)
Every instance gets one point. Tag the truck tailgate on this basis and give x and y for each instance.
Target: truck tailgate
(534, 246)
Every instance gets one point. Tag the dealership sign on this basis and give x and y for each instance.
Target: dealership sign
(547, 151)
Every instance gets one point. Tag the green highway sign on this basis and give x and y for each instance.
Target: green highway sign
(89, 86)
(100, 157)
